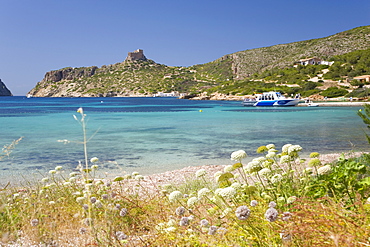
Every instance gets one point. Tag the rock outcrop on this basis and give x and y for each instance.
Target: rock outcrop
(4, 91)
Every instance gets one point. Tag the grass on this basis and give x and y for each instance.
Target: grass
(278, 199)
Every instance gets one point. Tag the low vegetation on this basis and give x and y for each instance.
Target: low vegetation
(277, 199)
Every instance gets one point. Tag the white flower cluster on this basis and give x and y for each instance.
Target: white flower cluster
(174, 196)
(228, 192)
(276, 178)
(203, 192)
(294, 149)
(285, 159)
(238, 155)
(200, 173)
(324, 170)
(264, 172)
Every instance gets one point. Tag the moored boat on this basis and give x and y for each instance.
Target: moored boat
(275, 99)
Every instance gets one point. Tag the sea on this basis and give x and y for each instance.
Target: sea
(153, 135)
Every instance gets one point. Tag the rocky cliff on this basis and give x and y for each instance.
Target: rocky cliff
(4, 91)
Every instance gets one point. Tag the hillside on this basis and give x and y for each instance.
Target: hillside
(144, 77)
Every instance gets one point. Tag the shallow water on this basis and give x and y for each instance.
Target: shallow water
(152, 135)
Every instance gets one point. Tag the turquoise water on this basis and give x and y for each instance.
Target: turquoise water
(152, 135)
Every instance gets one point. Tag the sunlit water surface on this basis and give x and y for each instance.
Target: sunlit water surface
(152, 135)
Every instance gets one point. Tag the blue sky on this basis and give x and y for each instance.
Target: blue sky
(42, 35)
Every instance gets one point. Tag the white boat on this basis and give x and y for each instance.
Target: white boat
(29, 96)
(249, 102)
(275, 99)
(309, 103)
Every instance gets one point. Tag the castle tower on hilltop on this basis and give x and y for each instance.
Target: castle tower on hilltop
(136, 55)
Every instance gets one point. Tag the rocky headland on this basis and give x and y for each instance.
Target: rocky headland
(4, 91)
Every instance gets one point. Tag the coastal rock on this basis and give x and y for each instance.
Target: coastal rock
(4, 91)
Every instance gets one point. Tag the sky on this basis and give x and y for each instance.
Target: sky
(42, 35)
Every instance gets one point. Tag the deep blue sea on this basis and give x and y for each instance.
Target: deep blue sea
(152, 135)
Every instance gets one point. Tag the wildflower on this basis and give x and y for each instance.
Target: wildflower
(285, 148)
(264, 172)
(120, 235)
(45, 180)
(80, 110)
(291, 199)
(271, 214)
(294, 149)
(34, 222)
(93, 199)
(285, 159)
(94, 159)
(229, 168)
(191, 201)
(51, 202)
(175, 195)
(324, 170)
(139, 177)
(184, 221)
(180, 211)
(270, 146)
(85, 207)
(52, 172)
(203, 192)
(94, 167)
(254, 203)
(262, 149)
(117, 206)
(236, 186)
(253, 166)
(227, 192)
(314, 155)
(204, 223)
(276, 178)
(58, 168)
(242, 212)
(217, 175)
(270, 155)
(367, 201)
(98, 204)
(135, 174)
(123, 212)
(82, 230)
(238, 155)
(314, 162)
(105, 196)
(272, 204)
(212, 230)
(200, 173)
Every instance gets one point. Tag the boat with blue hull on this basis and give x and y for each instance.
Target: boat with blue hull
(271, 99)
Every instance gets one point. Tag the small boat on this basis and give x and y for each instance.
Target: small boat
(29, 96)
(249, 102)
(309, 103)
(275, 99)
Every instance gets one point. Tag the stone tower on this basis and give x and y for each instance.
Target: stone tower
(136, 55)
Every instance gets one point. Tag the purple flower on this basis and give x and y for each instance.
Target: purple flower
(254, 203)
(204, 222)
(180, 211)
(212, 230)
(123, 212)
(271, 214)
(184, 221)
(242, 212)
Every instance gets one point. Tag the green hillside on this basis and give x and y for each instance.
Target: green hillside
(242, 72)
